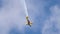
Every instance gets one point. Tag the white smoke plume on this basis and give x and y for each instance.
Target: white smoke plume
(26, 11)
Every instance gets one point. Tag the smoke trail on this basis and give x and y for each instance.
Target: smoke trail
(25, 8)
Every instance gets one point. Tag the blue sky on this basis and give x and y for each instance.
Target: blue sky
(44, 14)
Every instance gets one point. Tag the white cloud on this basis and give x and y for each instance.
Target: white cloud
(12, 14)
(52, 24)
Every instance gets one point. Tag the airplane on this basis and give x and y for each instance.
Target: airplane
(28, 21)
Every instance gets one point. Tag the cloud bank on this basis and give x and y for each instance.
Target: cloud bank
(12, 15)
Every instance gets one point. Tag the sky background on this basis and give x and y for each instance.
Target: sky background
(44, 14)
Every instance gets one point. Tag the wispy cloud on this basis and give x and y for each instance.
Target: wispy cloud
(39, 12)
(53, 22)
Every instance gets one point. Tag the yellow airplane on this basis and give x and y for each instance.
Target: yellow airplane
(28, 22)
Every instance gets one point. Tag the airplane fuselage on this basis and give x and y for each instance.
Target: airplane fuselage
(28, 22)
